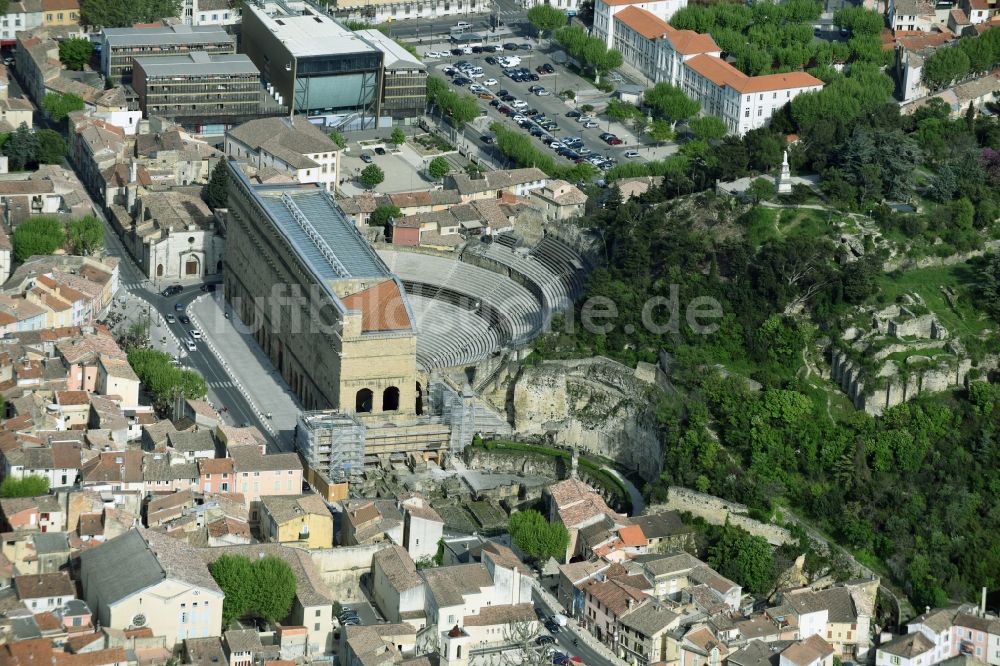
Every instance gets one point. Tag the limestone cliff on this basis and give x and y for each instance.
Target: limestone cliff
(596, 404)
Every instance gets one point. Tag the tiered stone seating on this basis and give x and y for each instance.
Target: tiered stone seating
(551, 286)
(561, 260)
(512, 309)
(448, 335)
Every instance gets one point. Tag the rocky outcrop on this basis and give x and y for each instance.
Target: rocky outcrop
(597, 405)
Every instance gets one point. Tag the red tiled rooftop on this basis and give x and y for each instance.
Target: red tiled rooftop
(382, 307)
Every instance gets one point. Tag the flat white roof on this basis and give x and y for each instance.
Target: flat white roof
(311, 34)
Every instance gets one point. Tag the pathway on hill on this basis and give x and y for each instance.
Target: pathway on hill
(638, 504)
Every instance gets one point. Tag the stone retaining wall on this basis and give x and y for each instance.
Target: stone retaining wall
(716, 510)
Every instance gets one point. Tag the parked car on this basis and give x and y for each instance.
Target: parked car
(548, 69)
(490, 82)
(519, 104)
(544, 640)
(591, 124)
(494, 102)
(463, 25)
(542, 92)
(502, 92)
(457, 52)
(366, 158)
(573, 114)
(461, 81)
(379, 150)
(510, 46)
(490, 60)
(533, 77)
(524, 47)
(614, 141)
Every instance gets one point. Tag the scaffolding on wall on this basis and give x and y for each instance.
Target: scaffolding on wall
(332, 443)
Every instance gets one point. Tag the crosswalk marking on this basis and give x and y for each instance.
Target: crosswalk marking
(221, 385)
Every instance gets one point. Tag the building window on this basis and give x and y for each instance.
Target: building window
(316, 627)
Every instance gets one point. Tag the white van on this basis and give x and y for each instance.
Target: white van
(462, 25)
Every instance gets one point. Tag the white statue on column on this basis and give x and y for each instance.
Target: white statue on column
(785, 178)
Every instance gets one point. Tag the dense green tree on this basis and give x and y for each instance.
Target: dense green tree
(660, 131)
(28, 486)
(21, 148)
(262, 588)
(163, 379)
(51, 147)
(59, 105)
(989, 283)
(537, 537)
(945, 66)
(75, 52)
(860, 21)
(338, 138)
(383, 215)
(670, 103)
(708, 128)
(438, 168)
(118, 14)
(744, 558)
(215, 191)
(546, 18)
(85, 235)
(371, 176)
(761, 189)
(398, 137)
(460, 109)
(38, 236)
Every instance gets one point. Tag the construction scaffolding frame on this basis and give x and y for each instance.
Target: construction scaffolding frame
(332, 443)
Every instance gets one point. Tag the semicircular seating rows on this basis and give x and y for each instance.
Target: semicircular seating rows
(466, 313)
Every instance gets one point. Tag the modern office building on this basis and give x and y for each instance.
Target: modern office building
(120, 45)
(404, 79)
(315, 64)
(205, 93)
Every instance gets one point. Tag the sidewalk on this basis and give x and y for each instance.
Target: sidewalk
(573, 627)
(249, 368)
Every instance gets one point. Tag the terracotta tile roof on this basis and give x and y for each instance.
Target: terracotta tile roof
(32, 652)
(47, 622)
(38, 586)
(689, 42)
(72, 397)
(722, 74)
(618, 597)
(398, 567)
(57, 5)
(215, 466)
(504, 614)
(96, 658)
(908, 646)
(77, 643)
(807, 651)
(382, 308)
(646, 24)
(632, 536)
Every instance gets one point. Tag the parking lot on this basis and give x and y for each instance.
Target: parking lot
(545, 105)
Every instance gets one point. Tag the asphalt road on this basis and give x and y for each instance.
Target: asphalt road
(201, 360)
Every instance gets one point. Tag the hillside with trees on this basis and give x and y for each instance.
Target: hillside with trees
(908, 492)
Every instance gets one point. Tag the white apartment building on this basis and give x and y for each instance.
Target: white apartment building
(606, 10)
(693, 63)
(743, 102)
(298, 148)
(23, 15)
(914, 15)
(211, 12)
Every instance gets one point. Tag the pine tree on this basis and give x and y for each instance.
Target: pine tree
(21, 148)
(214, 192)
